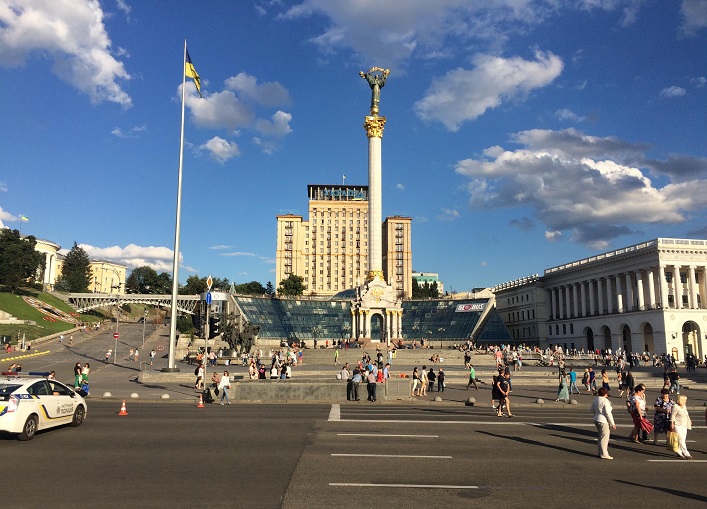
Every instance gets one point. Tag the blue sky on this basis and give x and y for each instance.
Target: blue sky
(521, 134)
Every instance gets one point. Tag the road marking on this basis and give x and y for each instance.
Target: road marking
(375, 485)
(335, 413)
(389, 456)
(384, 436)
(677, 460)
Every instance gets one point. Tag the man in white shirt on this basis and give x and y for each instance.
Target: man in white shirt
(603, 419)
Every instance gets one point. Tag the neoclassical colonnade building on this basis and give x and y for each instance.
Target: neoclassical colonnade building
(645, 297)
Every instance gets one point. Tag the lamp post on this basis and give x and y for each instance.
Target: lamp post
(144, 321)
(441, 333)
(117, 319)
(315, 333)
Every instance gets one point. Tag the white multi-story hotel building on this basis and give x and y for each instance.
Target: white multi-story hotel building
(645, 297)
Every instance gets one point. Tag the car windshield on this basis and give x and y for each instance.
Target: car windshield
(6, 389)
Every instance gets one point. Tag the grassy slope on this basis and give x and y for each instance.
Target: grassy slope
(16, 306)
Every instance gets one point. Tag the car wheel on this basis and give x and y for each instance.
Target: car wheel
(79, 414)
(29, 429)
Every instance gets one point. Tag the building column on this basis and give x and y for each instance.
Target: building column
(591, 297)
(583, 299)
(663, 287)
(553, 307)
(677, 287)
(639, 289)
(575, 310)
(609, 300)
(561, 301)
(692, 286)
(619, 295)
(629, 293)
(702, 286)
(651, 289)
(600, 295)
(374, 131)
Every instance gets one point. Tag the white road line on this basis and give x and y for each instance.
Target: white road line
(384, 436)
(677, 460)
(375, 485)
(389, 456)
(335, 413)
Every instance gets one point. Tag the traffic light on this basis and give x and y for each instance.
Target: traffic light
(214, 326)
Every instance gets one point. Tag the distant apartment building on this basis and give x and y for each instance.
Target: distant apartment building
(521, 306)
(428, 278)
(329, 250)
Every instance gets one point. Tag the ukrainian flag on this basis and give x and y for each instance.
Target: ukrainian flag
(190, 72)
(24, 218)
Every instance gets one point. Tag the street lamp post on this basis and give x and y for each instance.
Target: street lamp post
(144, 321)
(315, 333)
(441, 333)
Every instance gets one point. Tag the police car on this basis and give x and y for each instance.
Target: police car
(30, 403)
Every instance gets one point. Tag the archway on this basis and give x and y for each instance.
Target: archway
(648, 343)
(377, 326)
(589, 335)
(691, 340)
(606, 334)
(626, 339)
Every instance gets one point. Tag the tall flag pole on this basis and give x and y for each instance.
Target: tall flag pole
(187, 71)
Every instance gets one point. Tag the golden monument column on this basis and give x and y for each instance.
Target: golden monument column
(374, 125)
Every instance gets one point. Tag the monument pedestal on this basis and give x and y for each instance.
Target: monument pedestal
(377, 300)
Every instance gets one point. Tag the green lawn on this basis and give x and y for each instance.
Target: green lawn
(16, 306)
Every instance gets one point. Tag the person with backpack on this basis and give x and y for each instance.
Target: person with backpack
(224, 386)
(199, 372)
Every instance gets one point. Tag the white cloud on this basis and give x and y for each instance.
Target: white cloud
(159, 258)
(237, 253)
(73, 36)
(220, 247)
(278, 127)
(592, 188)
(271, 94)
(673, 92)
(553, 236)
(568, 115)
(6, 217)
(699, 82)
(123, 6)
(222, 110)
(694, 14)
(131, 133)
(3, 187)
(221, 150)
(400, 187)
(448, 215)
(463, 94)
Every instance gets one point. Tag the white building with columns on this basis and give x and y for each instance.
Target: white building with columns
(50, 251)
(645, 297)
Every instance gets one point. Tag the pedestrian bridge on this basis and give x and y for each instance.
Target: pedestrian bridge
(83, 302)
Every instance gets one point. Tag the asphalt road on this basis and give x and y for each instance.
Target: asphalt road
(174, 455)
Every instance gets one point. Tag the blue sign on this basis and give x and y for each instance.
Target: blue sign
(208, 297)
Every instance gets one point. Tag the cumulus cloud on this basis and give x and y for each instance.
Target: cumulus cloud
(400, 187)
(673, 92)
(73, 36)
(133, 132)
(271, 94)
(6, 217)
(221, 150)
(465, 94)
(159, 258)
(3, 187)
(699, 82)
(694, 14)
(278, 127)
(220, 110)
(449, 215)
(568, 115)
(587, 188)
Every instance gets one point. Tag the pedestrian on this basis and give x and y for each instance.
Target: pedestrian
(585, 379)
(680, 423)
(573, 381)
(637, 409)
(84, 372)
(355, 382)
(562, 394)
(77, 375)
(224, 386)
(71, 340)
(661, 419)
(137, 353)
(51, 376)
(415, 382)
(61, 338)
(336, 357)
(603, 420)
(503, 389)
(431, 377)
(108, 355)
(592, 381)
(440, 380)
(371, 385)
(131, 355)
(152, 356)
(674, 380)
(199, 372)
(423, 381)
(605, 380)
(472, 378)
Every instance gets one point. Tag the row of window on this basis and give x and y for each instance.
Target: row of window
(516, 316)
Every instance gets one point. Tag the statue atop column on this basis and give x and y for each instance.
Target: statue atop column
(375, 77)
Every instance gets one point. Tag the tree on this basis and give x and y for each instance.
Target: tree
(76, 272)
(19, 262)
(269, 289)
(252, 288)
(143, 280)
(164, 283)
(195, 285)
(292, 286)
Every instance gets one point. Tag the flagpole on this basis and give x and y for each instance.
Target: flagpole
(171, 361)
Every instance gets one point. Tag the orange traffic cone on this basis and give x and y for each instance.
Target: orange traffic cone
(123, 411)
(201, 402)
